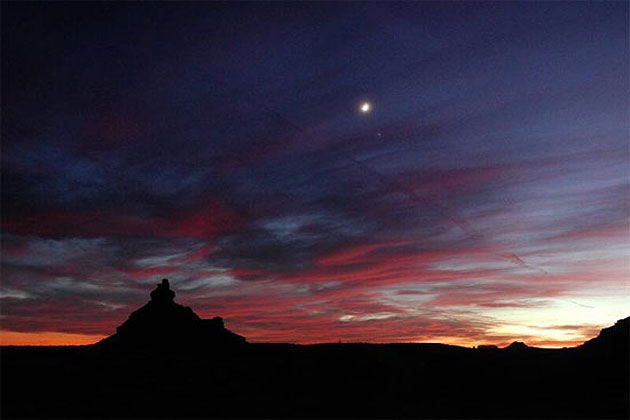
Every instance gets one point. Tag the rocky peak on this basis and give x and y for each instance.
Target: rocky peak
(163, 293)
(164, 324)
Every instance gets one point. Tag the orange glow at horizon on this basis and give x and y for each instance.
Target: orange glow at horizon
(14, 338)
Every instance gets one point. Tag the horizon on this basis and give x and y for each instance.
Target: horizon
(429, 172)
(52, 340)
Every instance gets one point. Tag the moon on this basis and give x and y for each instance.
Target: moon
(365, 107)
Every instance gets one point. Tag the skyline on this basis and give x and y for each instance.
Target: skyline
(483, 199)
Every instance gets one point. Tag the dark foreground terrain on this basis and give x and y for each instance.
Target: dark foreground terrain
(333, 380)
(150, 369)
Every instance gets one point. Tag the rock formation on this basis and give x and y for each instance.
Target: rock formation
(162, 324)
(612, 341)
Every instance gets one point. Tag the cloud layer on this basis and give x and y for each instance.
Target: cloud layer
(484, 200)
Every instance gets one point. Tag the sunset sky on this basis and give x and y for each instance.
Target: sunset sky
(483, 199)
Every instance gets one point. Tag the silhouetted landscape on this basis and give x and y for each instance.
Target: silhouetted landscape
(166, 362)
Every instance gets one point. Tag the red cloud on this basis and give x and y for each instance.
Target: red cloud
(354, 253)
(86, 224)
(211, 220)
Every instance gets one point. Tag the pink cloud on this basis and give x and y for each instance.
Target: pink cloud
(211, 220)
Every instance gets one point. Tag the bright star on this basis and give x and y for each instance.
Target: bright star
(365, 107)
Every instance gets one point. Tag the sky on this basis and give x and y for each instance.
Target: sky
(483, 199)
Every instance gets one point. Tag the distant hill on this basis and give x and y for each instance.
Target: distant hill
(517, 346)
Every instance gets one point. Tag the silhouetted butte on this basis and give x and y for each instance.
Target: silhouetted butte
(162, 324)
